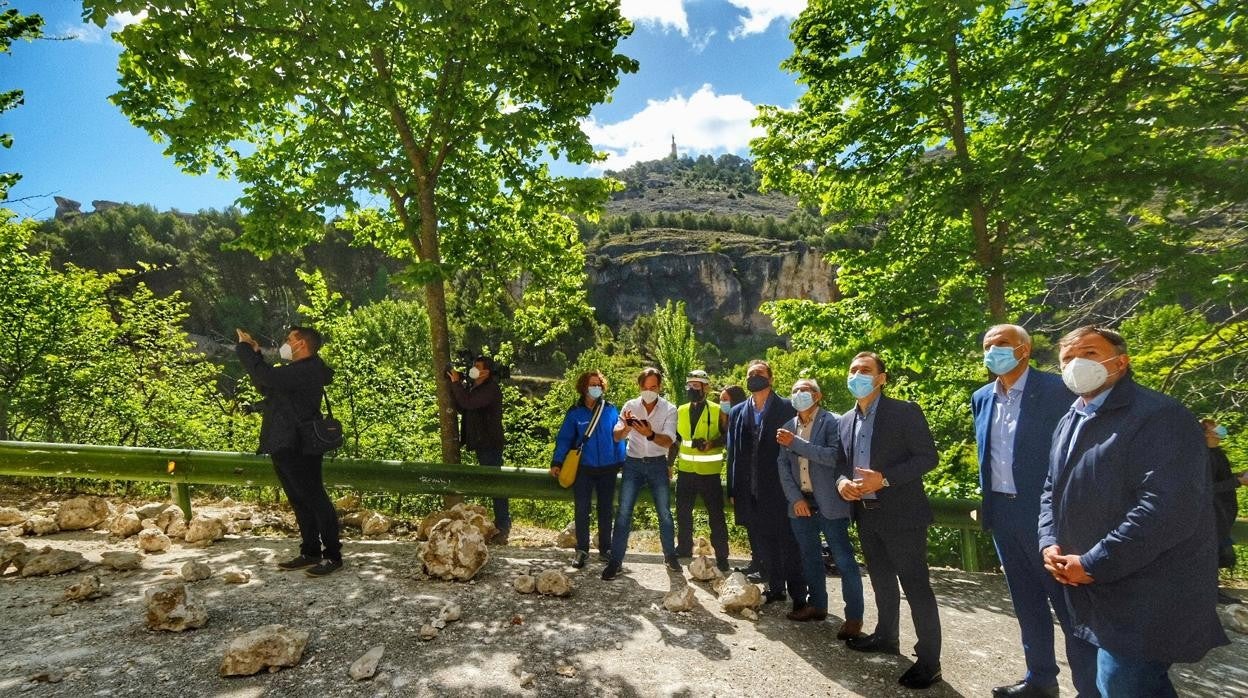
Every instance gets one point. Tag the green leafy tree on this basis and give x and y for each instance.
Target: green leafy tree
(675, 347)
(13, 26)
(989, 145)
(443, 110)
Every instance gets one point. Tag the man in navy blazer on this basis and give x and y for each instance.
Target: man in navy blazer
(887, 448)
(754, 484)
(810, 447)
(1015, 416)
(1125, 522)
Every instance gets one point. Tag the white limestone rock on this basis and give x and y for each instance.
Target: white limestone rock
(152, 510)
(735, 593)
(153, 540)
(10, 516)
(428, 632)
(121, 560)
(235, 575)
(702, 546)
(566, 537)
(553, 583)
(125, 525)
(169, 607)
(366, 666)
(195, 571)
(680, 600)
(270, 646)
(87, 588)
(40, 525)
(455, 551)
(203, 530)
(81, 513)
(376, 525)
(50, 561)
(525, 584)
(703, 569)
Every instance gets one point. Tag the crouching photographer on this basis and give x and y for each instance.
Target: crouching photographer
(479, 400)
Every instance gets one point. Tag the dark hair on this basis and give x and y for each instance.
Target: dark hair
(647, 372)
(879, 362)
(760, 362)
(582, 382)
(1115, 339)
(1207, 422)
(736, 394)
(310, 336)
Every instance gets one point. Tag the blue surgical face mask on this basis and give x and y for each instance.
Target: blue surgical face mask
(802, 400)
(860, 384)
(595, 391)
(1000, 360)
(1220, 431)
(725, 405)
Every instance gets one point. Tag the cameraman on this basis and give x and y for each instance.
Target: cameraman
(480, 401)
(292, 395)
(699, 460)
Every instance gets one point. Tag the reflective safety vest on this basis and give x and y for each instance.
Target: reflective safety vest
(690, 459)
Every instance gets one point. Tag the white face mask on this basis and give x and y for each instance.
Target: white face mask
(474, 373)
(285, 352)
(649, 396)
(1084, 376)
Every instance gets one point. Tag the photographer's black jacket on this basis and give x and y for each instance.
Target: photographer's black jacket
(482, 410)
(292, 394)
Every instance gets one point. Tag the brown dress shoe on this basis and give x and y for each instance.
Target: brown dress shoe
(807, 613)
(850, 628)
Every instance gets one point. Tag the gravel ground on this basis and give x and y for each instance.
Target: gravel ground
(607, 639)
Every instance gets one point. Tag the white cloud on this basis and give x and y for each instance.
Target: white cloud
(761, 13)
(704, 123)
(91, 34)
(661, 13)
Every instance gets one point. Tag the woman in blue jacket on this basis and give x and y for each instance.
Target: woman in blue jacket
(601, 457)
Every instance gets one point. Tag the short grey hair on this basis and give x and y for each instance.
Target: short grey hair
(1019, 329)
(813, 384)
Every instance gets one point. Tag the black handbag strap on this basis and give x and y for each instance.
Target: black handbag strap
(329, 409)
(593, 424)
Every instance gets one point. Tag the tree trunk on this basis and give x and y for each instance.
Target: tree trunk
(988, 252)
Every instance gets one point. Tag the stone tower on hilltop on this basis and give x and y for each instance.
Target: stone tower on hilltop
(673, 155)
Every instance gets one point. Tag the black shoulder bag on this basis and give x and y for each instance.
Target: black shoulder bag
(322, 433)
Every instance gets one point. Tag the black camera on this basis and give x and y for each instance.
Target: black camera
(699, 444)
(252, 407)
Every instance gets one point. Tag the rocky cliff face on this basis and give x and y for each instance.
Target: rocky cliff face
(723, 278)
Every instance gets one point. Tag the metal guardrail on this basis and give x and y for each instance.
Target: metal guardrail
(183, 468)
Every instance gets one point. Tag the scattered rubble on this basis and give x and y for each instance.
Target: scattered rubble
(735, 593)
(153, 540)
(50, 561)
(270, 646)
(553, 583)
(87, 588)
(680, 600)
(194, 571)
(366, 666)
(81, 513)
(235, 575)
(121, 560)
(170, 608)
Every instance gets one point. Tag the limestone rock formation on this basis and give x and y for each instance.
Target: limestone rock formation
(40, 525)
(376, 525)
(270, 646)
(50, 561)
(87, 588)
(66, 208)
(194, 571)
(121, 560)
(125, 524)
(735, 593)
(235, 575)
(203, 530)
(703, 569)
(474, 514)
(680, 599)
(553, 583)
(566, 537)
(170, 608)
(525, 584)
(366, 666)
(153, 540)
(348, 502)
(456, 550)
(10, 516)
(81, 513)
(13, 554)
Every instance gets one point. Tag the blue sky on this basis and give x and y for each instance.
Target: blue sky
(705, 66)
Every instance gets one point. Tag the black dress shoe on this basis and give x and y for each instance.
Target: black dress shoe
(1022, 689)
(754, 578)
(873, 643)
(672, 562)
(611, 571)
(582, 556)
(774, 596)
(920, 676)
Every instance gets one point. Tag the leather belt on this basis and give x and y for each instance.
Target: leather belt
(869, 503)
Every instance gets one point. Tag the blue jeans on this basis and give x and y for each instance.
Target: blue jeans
(806, 530)
(1126, 677)
(493, 458)
(639, 472)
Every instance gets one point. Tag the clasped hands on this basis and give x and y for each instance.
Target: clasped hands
(866, 482)
(1067, 569)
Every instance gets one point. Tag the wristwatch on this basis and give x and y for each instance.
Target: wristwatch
(883, 482)
(651, 436)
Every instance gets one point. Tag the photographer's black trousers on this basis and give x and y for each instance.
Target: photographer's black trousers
(689, 486)
(304, 485)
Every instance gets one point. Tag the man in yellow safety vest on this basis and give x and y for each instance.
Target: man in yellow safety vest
(699, 460)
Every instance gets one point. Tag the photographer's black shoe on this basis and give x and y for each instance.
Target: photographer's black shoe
(582, 556)
(323, 568)
(299, 563)
(611, 571)
(672, 562)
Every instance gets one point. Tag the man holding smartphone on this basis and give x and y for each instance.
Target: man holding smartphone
(649, 423)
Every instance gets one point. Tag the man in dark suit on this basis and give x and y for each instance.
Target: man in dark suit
(754, 484)
(1125, 522)
(1014, 420)
(887, 449)
(810, 448)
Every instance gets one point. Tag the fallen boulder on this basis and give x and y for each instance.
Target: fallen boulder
(376, 525)
(203, 530)
(553, 583)
(567, 537)
(525, 584)
(125, 525)
(87, 588)
(703, 569)
(81, 513)
(121, 560)
(680, 600)
(11, 517)
(40, 525)
(153, 540)
(736, 593)
(235, 575)
(13, 554)
(270, 646)
(170, 608)
(455, 551)
(194, 571)
(50, 561)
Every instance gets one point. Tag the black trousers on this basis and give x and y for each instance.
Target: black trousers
(590, 482)
(304, 484)
(901, 556)
(777, 551)
(689, 486)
